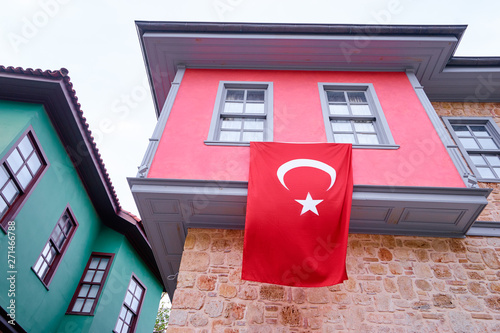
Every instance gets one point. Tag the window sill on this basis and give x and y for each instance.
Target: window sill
(226, 143)
(485, 180)
(246, 144)
(382, 146)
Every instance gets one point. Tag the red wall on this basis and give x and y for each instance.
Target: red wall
(421, 160)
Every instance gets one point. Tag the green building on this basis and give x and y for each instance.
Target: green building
(72, 260)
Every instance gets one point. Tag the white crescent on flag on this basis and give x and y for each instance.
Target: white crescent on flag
(303, 162)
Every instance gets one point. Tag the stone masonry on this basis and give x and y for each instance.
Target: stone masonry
(458, 109)
(396, 284)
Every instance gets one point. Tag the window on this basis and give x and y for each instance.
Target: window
(52, 253)
(131, 307)
(352, 114)
(87, 293)
(478, 138)
(20, 170)
(242, 113)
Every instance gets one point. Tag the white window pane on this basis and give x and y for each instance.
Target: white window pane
(231, 107)
(128, 317)
(38, 264)
(34, 163)
(24, 176)
(235, 95)
(135, 304)
(479, 131)
(125, 328)
(88, 277)
(469, 143)
(98, 276)
(255, 95)
(10, 192)
(231, 123)
(44, 269)
(128, 298)
(84, 290)
(77, 307)
(51, 256)
(485, 173)
(335, 96)
(104, 263)
(93, 291)
(360, 110)
(253, 136)
(341, 126)
(93, 263)
(364, 126)
(338, 109)
(229, 136)
(356, 97)
(494, 160)
(370, 139)
(46, 249)
(88, 305)
(25, 147)
(3, 176)
(497, 171)
(138, 292)
(344, 138)
(487, 143)
(477, 159)
(15, 161)
(255, 108)
(461, 130)
(123, 312)
(132, 285)
(256, 124)
(118, 326)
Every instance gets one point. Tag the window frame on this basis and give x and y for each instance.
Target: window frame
(494, 129)
(217, 114)
(384, 135)
(110, 256)
(24, 194)
(60, 252)
(135, 319)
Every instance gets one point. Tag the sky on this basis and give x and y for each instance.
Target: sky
(97, 42)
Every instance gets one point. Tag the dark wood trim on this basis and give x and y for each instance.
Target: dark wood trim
(101, 286)
(5, 327)
(50, 275)
(133, 326)
(21, 199)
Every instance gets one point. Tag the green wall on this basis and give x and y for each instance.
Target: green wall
(42, 310)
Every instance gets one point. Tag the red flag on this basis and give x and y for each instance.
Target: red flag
(298, 210)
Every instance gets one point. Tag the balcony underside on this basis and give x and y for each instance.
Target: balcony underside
(169, 207)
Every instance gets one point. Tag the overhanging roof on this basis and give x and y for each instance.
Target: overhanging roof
(54, 90)
(426, 50)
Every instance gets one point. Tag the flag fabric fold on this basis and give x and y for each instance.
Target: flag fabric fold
(298, 211)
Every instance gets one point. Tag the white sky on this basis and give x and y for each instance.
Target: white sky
(97, 42)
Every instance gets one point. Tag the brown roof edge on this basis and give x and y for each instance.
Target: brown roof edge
(62, 74)
(121, 221)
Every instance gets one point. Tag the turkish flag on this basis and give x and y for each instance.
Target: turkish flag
(298, 211)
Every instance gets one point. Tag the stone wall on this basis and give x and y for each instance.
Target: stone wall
(396, 284)
(458, 109)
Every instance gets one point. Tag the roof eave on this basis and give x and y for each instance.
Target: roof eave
(54, 90)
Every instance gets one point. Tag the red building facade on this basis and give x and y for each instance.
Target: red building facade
(219, 86)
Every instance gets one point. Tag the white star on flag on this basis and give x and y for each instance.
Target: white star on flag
(309, 204)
